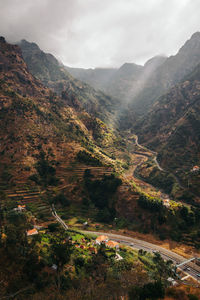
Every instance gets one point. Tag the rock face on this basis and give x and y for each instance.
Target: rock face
(54, 75)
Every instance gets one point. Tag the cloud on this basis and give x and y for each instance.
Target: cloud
(93, 33)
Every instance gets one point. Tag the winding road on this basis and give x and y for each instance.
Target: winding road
(156, 161)
(153, 152)
(190, 268)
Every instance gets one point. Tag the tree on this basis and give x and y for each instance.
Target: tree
(153, 290)
(164, 269)
(45, 171)
(60, 252)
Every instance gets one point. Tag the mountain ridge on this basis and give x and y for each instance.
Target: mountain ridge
(55, 76)
(33, 118)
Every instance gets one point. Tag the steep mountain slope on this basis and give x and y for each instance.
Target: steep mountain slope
(43, 140)
(50, 70)
(121, 83)
(172, 71)
(124, 80)
(55, 76)
(46, 142)
(131, 79)
(98, 78)
(33, 119)
(172, 127)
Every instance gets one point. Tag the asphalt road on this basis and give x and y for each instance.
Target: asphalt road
(193, 271)
(140, 244)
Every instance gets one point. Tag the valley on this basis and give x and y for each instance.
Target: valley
(119, 156)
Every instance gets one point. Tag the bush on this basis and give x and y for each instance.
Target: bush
(153, 290)
(53, 227)
(62, 199)
(193, 297)
(101, 193)
(45, 172)
(150, 203)
(87, 158)
(150, 290)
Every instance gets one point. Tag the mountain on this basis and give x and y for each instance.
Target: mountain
(48, 144)
(121, 83)
(98, 78)
(54, 75)
(49, 70)
(154, 62)
(124, 80)
(172, 128)
(54, 152)
(138, 87)
(170, 72)
(33, 120)
(114, 82)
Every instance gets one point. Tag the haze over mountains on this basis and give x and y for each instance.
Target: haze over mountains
(54, 75)
(120, 82)
(139, 85)
(34, 118)
(100, 167)
(74, 111)
(134, 89)
(67, 146)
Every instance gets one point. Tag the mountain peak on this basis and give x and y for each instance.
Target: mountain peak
(27, 45)
(129, 69)
(155, 61)
(2, 40)
(196, 35)
(192, 46)
(130, 65)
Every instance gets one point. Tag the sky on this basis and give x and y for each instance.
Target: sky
(101, 33)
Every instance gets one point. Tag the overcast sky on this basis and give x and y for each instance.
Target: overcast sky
(101, 33)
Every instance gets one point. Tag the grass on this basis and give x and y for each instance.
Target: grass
(45, 239)
(72, 221)
(78, 237)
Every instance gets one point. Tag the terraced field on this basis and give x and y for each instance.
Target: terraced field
(69, 176)
(31, 197)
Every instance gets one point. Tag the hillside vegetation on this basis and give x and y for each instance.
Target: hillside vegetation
(172, 128)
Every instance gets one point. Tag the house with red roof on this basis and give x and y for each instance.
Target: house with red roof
(101, 239)
(32, 232)
(112, 244)
(20, 208)
(195, 169)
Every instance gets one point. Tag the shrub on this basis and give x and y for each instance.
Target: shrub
(192, 297)
(62, 199)
(53, 227)
(87, 158)
(150, 203)
(45, 172)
